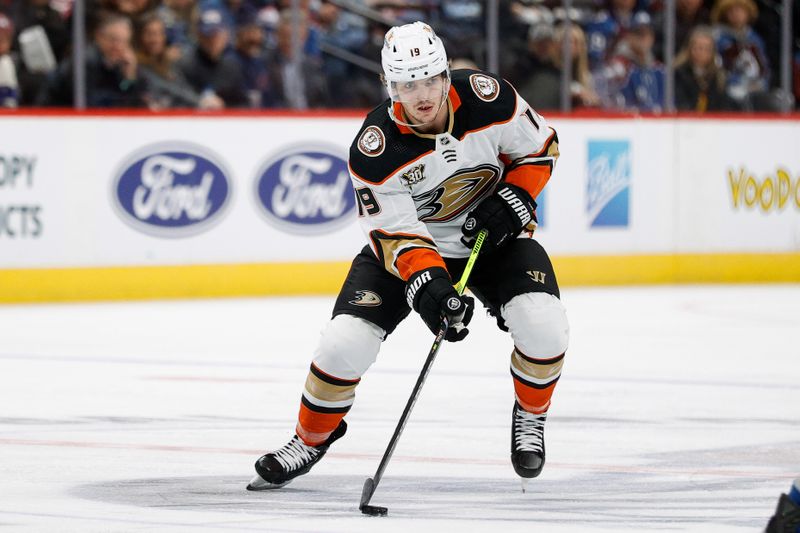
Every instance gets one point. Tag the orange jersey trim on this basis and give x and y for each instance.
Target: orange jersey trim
(532, 178)
(454, 98)
(413, 261)
(398, 112)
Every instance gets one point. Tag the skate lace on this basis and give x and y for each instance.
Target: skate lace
(530, 431)
(295, 454)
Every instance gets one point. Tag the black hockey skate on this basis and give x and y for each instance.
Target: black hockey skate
(527, 442)
(278, 468)
(786, 518)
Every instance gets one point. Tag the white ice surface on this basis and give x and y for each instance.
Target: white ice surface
(678, 410)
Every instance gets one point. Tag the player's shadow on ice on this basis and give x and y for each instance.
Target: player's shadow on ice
(321, 494)
(618, 499)
(608, 498)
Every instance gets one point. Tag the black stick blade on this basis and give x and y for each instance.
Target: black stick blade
(374, 510)
(367, 492)
(366, 496)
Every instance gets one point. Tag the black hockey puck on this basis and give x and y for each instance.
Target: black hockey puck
(374, 510)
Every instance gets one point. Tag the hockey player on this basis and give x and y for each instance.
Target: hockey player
(453, 154)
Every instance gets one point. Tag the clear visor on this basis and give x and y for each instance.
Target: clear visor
(432, 90)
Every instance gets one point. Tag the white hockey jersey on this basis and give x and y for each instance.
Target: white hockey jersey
(414, 191)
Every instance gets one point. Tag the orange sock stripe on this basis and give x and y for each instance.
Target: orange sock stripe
(532, 398)
(315, 427)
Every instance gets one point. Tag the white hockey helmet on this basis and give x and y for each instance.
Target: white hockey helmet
(412, 52)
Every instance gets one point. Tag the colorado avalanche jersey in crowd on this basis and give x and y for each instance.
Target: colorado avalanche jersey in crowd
(414, 191)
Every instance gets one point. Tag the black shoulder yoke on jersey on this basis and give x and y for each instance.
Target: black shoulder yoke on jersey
(485, 100)
(381, 148)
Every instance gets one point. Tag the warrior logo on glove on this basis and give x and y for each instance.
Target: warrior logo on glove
(504, 214)
(453, 304)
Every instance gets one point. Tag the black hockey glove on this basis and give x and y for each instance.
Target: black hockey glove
(503, 214)
(431, 294)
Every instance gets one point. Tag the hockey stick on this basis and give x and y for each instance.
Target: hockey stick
(372, 483)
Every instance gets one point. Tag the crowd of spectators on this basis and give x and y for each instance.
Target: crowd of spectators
(261, 54)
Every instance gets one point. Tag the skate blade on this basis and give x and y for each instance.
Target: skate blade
(258, 483)
(524, 481)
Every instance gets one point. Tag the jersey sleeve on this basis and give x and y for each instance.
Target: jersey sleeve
(388, 217)
(529, 148)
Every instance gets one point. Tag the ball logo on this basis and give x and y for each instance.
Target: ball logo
(171, 190)
(306, 190)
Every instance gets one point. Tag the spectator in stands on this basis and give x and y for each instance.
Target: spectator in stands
(250, 54)
(39, 54)
(403, 10)
(9, 88)
(633, 79)
(699, 78)
(29, 13)
(311, 41)
(96, 10)
(606, 29)
(112, 72)
(299, 82)
(581, 88)
(166, 86)
(543, 88)
(767, 26)
(179, 18)
(233, 11)
(688, 14)
(208, 69)
(462, 27)
(371, 88)
(742, 52)
(128, 8)
(348, 84)
(515, 19)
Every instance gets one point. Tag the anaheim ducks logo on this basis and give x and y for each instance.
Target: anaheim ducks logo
(457, 194)
(485, 87)
(366, 299)
(372, 142)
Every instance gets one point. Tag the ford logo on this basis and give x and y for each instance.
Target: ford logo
(306, 189)
(172, 190)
